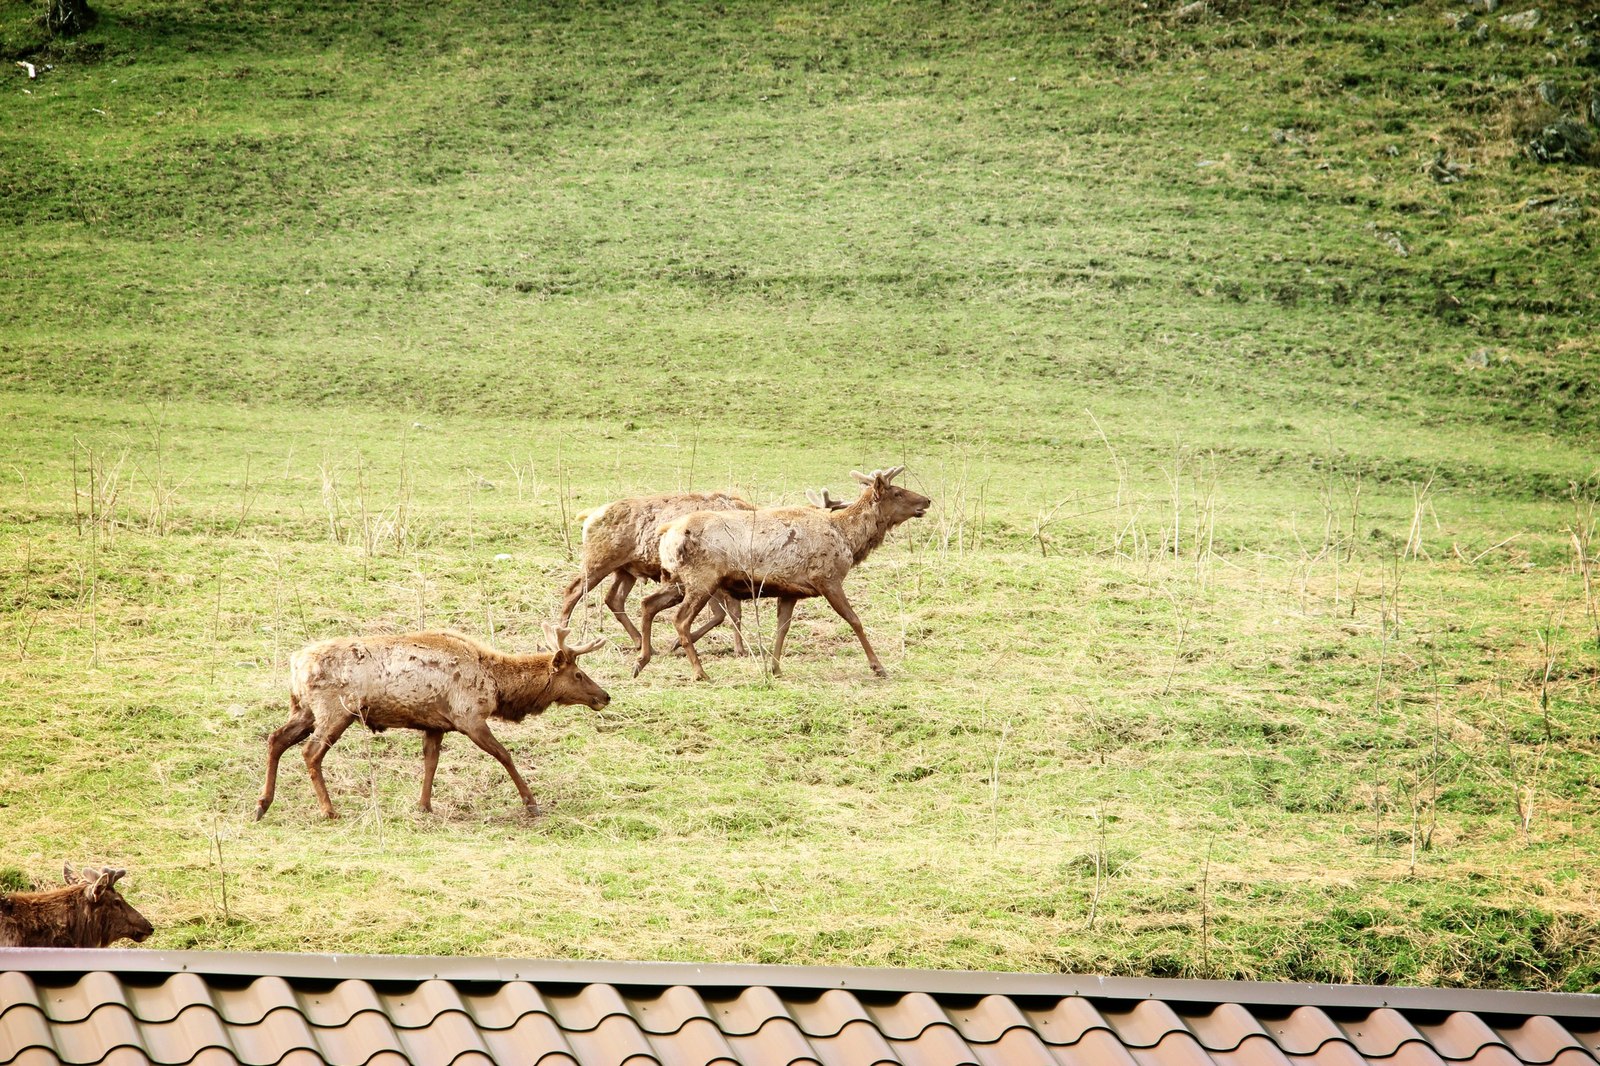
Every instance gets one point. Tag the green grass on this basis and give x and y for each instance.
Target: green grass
(348, 310)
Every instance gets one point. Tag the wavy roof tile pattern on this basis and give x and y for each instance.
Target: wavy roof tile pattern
(210, 1009)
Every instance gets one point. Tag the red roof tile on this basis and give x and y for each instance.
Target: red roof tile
(196, 1009)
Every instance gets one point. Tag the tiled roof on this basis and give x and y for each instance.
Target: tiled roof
(127, 1007)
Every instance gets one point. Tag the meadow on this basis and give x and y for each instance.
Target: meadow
(1253, 632)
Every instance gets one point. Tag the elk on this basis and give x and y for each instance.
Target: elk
(434, 682)
(786, 552)
(88, 912)
(622, 538)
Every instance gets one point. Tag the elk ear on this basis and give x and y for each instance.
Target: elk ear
(67, 874)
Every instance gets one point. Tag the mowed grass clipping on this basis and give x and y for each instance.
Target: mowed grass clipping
(1252, 633)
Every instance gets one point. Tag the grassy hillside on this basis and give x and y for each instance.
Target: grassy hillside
(1249, 635)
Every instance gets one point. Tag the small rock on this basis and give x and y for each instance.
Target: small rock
(1394, 151)
(1559, 208)
(485, 484)
(1479, 358)
(1522, 20)
(236, 710)
(503, 557)
(1288, 136)
(1547, 92)
(1391, 239)
(1482, 32)
(1445, 172)
(1564, 141)
(1463, 20)
(1190, 11)
(1206, 163)
(1485, 7)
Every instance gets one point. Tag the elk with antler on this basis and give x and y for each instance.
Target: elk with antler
(434, 682)
(785, 552)
(88, 913)
(622, 540)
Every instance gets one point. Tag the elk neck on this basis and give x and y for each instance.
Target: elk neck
(525, 683)
(863, 525)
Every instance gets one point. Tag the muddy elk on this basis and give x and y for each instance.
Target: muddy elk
(788, 553)
(435, 682)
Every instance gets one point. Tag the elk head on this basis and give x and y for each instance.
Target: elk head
(894, 502)
(568, 684)
(107, 916)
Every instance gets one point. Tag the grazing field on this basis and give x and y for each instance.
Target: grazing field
(1249, 359)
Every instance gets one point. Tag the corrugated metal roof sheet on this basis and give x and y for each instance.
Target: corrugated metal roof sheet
(117, 1007)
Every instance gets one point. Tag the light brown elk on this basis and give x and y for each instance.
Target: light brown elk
(621, 540)
(88, 912)
(436, 682)
(785, 552)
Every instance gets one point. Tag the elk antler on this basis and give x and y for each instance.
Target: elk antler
(885, 475)
(825, 501)
(556, 637)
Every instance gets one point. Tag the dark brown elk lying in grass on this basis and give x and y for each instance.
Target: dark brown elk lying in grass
(436, 682)
(786, 552)
(621, 541)
(88, 912)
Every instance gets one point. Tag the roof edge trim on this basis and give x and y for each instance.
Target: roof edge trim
(735, 975)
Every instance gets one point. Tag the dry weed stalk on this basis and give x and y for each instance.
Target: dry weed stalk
(105, 477)
(994, 788)
(960, 511)
(1421, 506)
(332, 505)
(1099, 864)
(221, 867)
(1422, 787)
(1204, 506)
(163, 491)
(1582, 533)
(27, 599)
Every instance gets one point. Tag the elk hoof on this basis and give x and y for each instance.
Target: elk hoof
(638, 666)
(332, 816)
(878, 671)
(261, 809)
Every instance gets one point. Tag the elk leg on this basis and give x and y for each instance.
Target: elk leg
(785, 613)
(654, 604)
(317, 747)
(684, 620)
(736, 623)
(479, 733)
(715, 610)
(617, 600)
(836, 600)
(286, 736)
(432, 741)
(577, 589)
